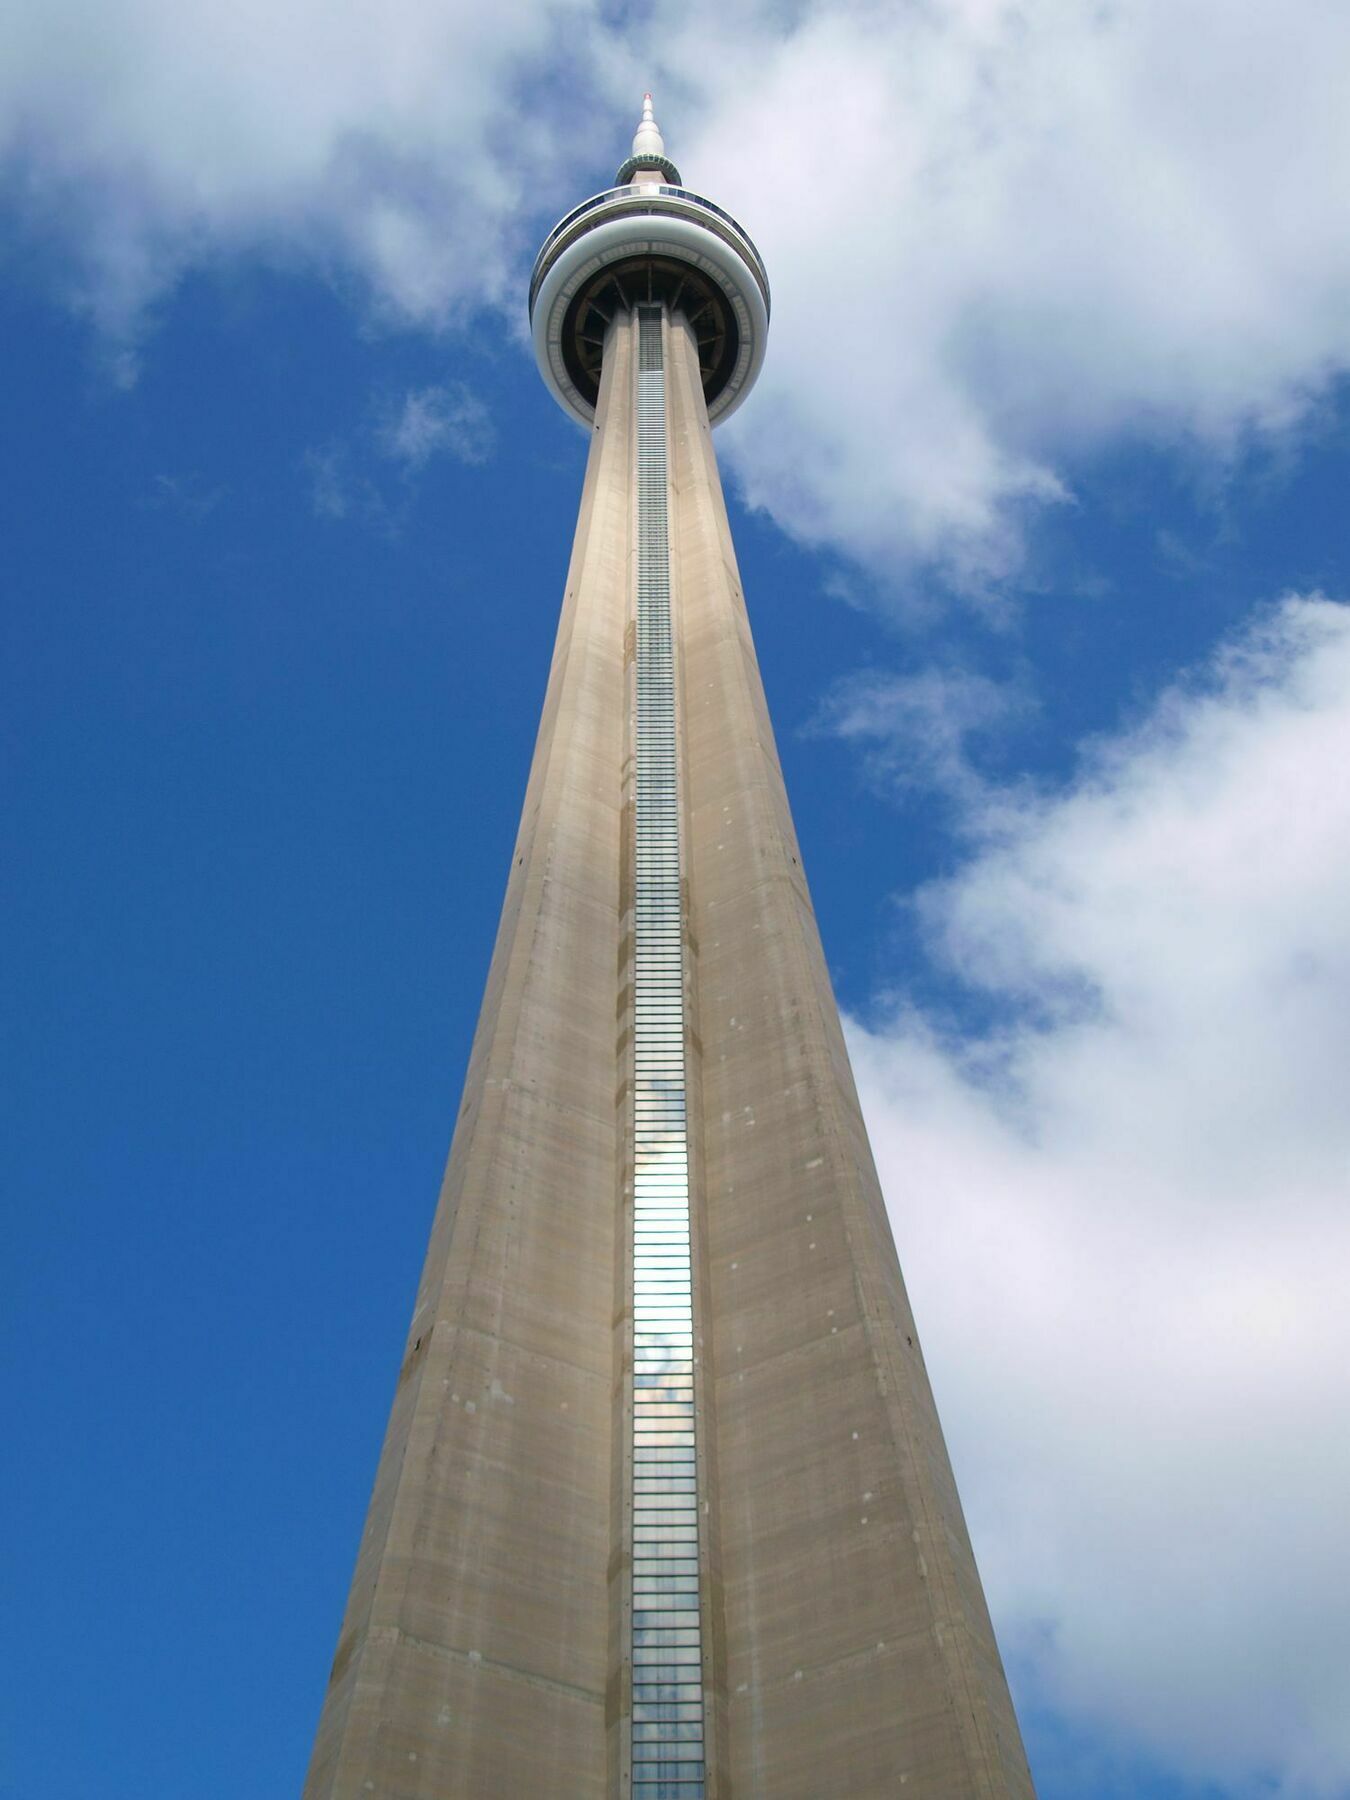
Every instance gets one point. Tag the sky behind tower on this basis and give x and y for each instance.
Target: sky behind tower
(1040, 506)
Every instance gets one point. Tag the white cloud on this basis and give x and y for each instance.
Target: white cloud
(339, 489)
(386, 140)
(1002, 233)
(917, 731)
(347, 480)
(447, 417)
(1123, 1214)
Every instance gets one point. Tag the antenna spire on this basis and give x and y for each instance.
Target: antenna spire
(649, 159)
(648, 144)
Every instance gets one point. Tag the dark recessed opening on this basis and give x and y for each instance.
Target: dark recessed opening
(637, 281)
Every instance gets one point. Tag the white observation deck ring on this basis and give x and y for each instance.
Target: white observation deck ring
(633, 244)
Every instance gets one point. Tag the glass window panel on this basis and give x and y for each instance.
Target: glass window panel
(672, 1611)
(688, 1731)
(649, 1692)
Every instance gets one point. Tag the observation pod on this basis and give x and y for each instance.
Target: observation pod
(648, 239)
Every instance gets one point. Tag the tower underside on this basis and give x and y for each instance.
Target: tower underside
(664, 1510)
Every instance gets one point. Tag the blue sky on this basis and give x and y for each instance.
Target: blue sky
(1040, 509)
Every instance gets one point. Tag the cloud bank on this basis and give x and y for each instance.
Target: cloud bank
(1122, 1211)
(1001, 234)
(1004, 235)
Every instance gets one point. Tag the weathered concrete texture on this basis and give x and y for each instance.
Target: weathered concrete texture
(474, 1655)
(860, 1656)
(484, 1651)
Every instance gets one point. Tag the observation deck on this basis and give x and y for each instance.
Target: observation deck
(648, 241)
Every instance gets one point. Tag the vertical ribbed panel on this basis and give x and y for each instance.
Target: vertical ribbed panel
(667, 1728)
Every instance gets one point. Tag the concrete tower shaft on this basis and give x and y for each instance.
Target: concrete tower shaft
(664, 1510)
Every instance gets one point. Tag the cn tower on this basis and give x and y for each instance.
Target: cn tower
(664, 1510)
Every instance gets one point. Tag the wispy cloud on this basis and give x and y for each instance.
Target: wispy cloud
(337, 489)
(190, 495)
(922, 732)
(351, 479)
(447, 419)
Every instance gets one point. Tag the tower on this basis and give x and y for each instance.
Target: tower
(664, 1510)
